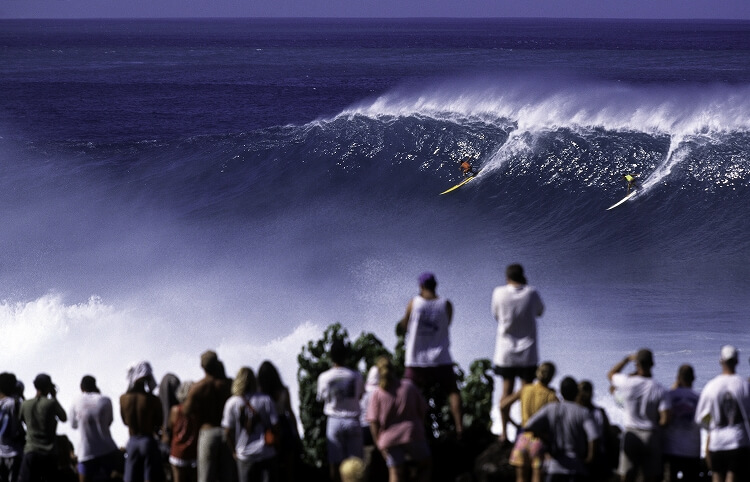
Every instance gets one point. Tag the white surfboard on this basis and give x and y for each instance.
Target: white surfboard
(631, 194)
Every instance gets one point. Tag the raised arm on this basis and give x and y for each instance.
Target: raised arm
(619, 366)
(403, 323)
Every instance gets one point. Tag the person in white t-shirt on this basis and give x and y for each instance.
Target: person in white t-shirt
(247, 417)
(340, 389)
(515, 306)
(428, 359)
(646, 406)
(682, 436)
(723, 407)
(98, 454)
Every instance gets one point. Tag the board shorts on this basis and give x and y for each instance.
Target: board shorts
(527, 373)
(143, 461)
(344, 439)
(396, 455)
(100, 468)
(736, 461)
(441, 375)
(640, 448)
(528, 451)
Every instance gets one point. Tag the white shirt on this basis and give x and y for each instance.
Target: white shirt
(340, 389)
(643, 397)
(427, 341)
(723, 406)
(92, 413)
(250, 446)
(516, 308)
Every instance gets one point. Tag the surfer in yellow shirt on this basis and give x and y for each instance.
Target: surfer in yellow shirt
(630, 178)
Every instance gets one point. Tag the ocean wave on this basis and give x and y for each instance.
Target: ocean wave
(533, 105)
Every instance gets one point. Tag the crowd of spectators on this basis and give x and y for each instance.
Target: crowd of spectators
(244, 429)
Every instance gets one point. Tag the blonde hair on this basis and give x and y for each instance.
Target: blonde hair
(244, 382)
(352, 470)
(385, 370)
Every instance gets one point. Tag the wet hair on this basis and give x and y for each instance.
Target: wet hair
(386, 372)
(546, 372)
(269, 380)
(569, 389)
(514, 272)
(244, 382)
(8, 384)
(339, 351)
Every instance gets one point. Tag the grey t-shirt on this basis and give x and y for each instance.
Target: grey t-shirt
(570, 428)
(40, 414)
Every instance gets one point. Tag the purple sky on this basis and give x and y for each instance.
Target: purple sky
(721, 9)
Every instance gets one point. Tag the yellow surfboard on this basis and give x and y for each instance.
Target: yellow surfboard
(459, 184)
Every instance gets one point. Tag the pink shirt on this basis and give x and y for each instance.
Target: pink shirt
(400, 414)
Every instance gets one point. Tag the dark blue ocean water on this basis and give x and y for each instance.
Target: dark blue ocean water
(221, 180)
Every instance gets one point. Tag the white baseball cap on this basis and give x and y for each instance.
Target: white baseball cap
(728, 352)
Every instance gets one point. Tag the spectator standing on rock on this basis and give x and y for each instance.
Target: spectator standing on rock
(515, 306)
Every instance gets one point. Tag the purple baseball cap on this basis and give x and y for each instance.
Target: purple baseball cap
(427, 279)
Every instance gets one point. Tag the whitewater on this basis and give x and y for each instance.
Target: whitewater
(175, 186)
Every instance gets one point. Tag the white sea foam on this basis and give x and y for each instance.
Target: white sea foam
(536, 106)
(68, 340)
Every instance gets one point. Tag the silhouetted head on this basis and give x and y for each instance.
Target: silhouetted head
(8, 383)
(210, 363)
(43, 383)
(585, 393)
(545, 373)
(514, 273)
(269, 380)
(427, 281)
(645, 359)
(685, 376)
(339, 352)
(88, 384)
(569, 389)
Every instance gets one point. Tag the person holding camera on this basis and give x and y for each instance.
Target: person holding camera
(41, 414)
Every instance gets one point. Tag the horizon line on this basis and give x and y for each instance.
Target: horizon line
(304, 17)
